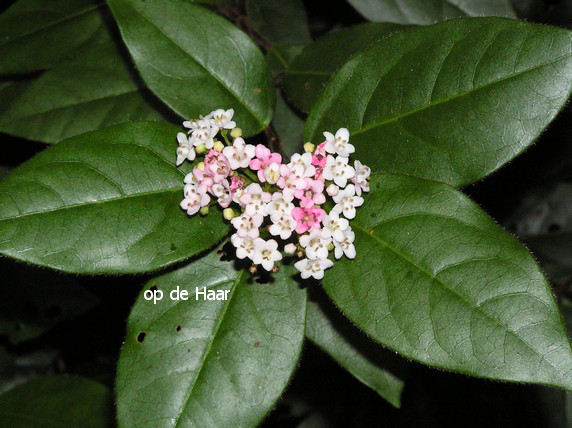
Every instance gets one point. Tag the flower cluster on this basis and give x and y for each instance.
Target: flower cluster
(256, 187)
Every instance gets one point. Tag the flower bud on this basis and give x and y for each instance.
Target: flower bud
(218, 146)
(201, 149)
(275, 269)
(300, 254)
(252, 269)
(330, 246)
(228, 213)
(201, 166)
(236, 132)
(309, 147)
(332, 190)
(290, 249)
(204, 210)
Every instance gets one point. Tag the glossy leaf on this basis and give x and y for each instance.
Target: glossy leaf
(309, 72)
(196, 61)
(95, 89)
(104, 202)
(436, 280)
(352, 350)
(283, 22)
(210, 363)
(288, 126)
(35, 34)
(57, 401)
(451, 102)
(429, 11)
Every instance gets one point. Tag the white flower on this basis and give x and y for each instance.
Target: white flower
(278, 206)
(347, 201)
(339, 143)
(332, 190)
(361, 178)
(334, 226)
(222, 119)
(315, 244)
(346, 246)
(254, 199)
(204, 133)
(301, 165)
(194, 199)
(239, 154)
(338, 170)
(244, 246)
(247, 226)
(272, 173)
(314, 268)
(282, 226)
(290, 248)
(185, 150)
(222, 192)
(266, 253)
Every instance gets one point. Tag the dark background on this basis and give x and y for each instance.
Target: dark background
(46, 328)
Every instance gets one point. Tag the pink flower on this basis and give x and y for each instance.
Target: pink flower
(319, 158)
(307, 218)
(204, 181)
(289, 182)
(264, 157)
(312, 194)
(254, 198)
(216, 166)
(236, 183)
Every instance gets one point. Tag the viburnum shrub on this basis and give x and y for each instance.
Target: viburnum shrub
(256, 238)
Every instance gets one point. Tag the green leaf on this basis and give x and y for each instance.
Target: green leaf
(332, 333)
(57, 401)
(436, 280)
(288, 126)
(210, 363)
(283, 22)
(450, 102)
(309, 72)
(35, 34)
(196, 61)
(95, 89)
(104, 202)
(429, 11)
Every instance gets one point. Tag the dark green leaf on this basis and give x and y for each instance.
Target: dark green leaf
(283, 21)
(288, 126)
(196, 61)
(210, 363)
(95, 89)
(429, 11)
(308, 73)
(355, 352)
(57, 401)
(103, 202)
(451, 102)
(436, 280)
(35, 300)
(35, 34)
(279, 58)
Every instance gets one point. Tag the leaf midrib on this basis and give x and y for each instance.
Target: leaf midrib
(456, 96)
(52, 24)
(209, 347)
(453, 292)
(209, 72)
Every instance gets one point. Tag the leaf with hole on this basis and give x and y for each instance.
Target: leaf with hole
(425, 12)
(104, 202)
(436, 280)
(451, 102)
(196, 61)
(206, 363)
